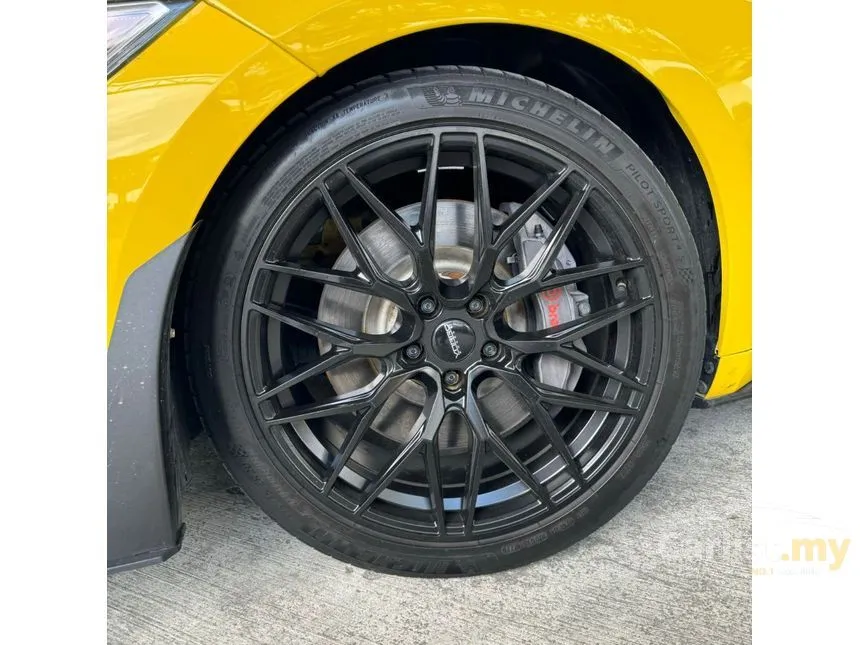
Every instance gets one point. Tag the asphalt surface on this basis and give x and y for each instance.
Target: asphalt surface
(672, 567)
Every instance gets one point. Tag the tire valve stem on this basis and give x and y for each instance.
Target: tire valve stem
(538, 232)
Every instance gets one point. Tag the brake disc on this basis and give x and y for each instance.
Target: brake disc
(502, 407)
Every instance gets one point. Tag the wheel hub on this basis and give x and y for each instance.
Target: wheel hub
(453, 258)
(453, 340)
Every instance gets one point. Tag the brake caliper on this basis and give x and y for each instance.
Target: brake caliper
(552, 307)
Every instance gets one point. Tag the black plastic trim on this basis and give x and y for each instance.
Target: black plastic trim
(146, 462)
(146, 559)
(744, 393)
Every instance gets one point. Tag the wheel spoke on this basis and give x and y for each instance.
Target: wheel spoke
(434, 484)
(359, 255)
(365, 262)
(546, 423)
(552, 338)
(342, 404)
(484, 254)
(390, 472)
(331, 359)
(532, 392)
(483, 208)
(600, 367)
(359, 344)
(522, 289)
(567, 399)
(310, 325)
(427, 219)
(544, 260)
(394, 221)
(544, 420)
(498, 446)
(593, 322)
(528, 208)
(483, 433)
(381, 284)
(354, 435)
(561, 447)
(473, 483)
(343, 279)
(480, 431)
(424, 431)
(566, 277)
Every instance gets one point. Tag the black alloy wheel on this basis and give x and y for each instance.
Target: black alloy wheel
(438, 333)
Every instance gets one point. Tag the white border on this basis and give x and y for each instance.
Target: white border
(52, 322)
(806, 279)
(806, 454)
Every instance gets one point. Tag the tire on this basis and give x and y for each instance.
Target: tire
(235, 343)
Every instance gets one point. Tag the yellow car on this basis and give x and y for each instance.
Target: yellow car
(441, 280)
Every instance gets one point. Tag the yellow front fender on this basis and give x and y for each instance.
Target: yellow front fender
(176, 115)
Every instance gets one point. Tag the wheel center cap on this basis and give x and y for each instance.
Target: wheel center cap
(453, 340)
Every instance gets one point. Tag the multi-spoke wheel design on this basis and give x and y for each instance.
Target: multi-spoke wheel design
(448, 333)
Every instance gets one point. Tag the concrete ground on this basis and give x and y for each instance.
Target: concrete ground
(672, 567)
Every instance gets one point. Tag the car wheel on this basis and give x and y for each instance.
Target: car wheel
(449, 323)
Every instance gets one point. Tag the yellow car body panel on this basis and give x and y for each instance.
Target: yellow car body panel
(733, 373)
(179, 111)
(176, 115)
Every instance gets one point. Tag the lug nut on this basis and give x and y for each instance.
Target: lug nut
(583, 308)
(451, 378)
(621, 288)
(412, 352)
(490, 350)
(476, 305)
(427, 306)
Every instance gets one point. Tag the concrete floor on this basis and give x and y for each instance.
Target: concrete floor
(673, 567)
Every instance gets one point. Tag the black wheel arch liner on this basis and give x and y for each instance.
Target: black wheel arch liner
(147, 437)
